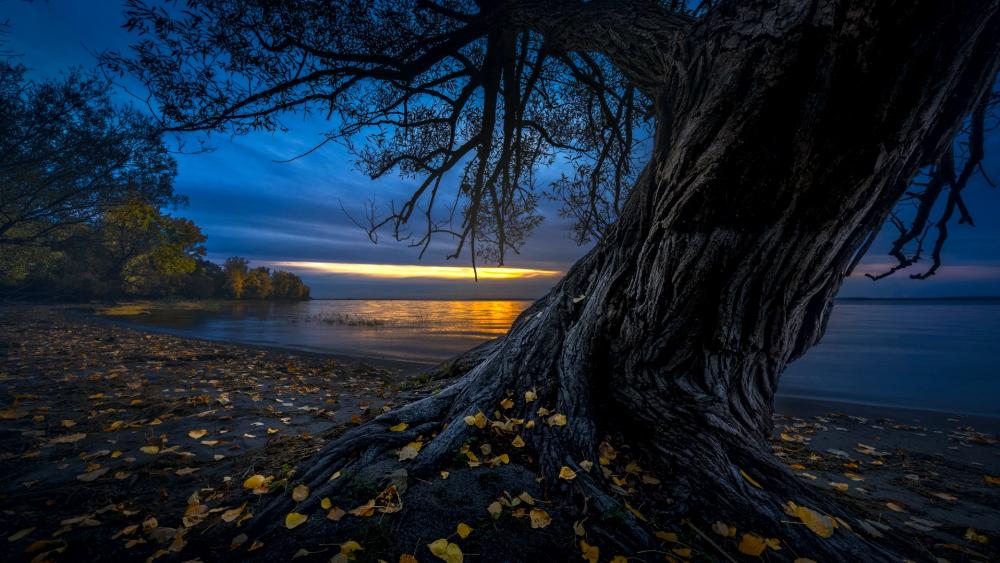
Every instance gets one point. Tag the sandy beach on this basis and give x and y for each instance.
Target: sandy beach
(109, 436)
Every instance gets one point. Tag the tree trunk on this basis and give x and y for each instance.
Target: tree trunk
(777, 158)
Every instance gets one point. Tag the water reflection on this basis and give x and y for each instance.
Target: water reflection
(422, 331)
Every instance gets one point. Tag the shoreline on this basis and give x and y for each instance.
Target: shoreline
(791, 402)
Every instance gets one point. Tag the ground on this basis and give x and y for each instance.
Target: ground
(120, 444)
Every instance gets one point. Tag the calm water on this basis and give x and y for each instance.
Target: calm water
(932, 355)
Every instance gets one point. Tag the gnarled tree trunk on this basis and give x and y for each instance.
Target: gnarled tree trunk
(777, 159)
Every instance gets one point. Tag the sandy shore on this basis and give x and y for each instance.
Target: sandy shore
(103, 428)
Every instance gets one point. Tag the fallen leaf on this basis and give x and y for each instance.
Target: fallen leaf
(567, 473)
(294, 520)
(530, 395)
(23, 533)
(667, 536)
(972, 535)
(186, 471)
(839, 486)
(991, 479)
(92, 475)
(446, 551)
(752, 544)
(517, 442)
(335, 514)
(198, 434)
(894, 507)
(684, 552)
(495, 509)
(410, 451)
(724, 530)
(590, 553)
(479, 420)
(750, 479)
(399, 427)
(233, 513)
(539, 518)
(407, 558)
(463, 530)
(821, 525)
(254, 482)
(68, 439)
(365, 510)
(557, 420)
(325, 504)
(151, 450)
(300, 493)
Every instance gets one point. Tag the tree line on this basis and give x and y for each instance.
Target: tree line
(86, 186)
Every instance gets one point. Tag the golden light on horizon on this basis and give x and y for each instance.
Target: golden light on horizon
(402, 271)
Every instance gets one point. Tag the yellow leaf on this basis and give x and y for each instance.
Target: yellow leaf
(463, 530)
(530, 395)
(590, 553)
(804, 560)
(684, 552)
(335, 476)
(821, 525)
(479, 420)
(621, 559)
(752, 544)
(495, 508)
(254, 482)
(445, 474)
(991, 479)
(300, 493)
(294, 519)
(894, 507)
(724, 530)
(150, 450)
(839, 486)
(853, 476)
(349, 547)
(539, 518)
(567, 473)
(197, 434)
(750, 479)
(635, 512)
(399, 427)
(971, 535)
(365, 510)
(667, 536)
(446, 551)
(557, 420)
(325, 504)
(335, 514)
(233, 513)
(517, 442)
(407, 558)
(507, 404)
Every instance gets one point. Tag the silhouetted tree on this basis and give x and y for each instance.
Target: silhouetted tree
(68, 154)
(780, 137)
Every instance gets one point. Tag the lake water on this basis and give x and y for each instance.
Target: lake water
(938, 355)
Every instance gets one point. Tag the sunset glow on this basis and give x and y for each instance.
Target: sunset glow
(400, 271)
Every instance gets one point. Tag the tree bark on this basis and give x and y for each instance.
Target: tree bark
(782, 144)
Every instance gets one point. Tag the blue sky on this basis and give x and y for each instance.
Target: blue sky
(250, 205)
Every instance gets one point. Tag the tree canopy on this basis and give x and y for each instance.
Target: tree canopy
(68, 154)
(473, 99)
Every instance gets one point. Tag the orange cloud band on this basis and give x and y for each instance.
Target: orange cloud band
(401, 271)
